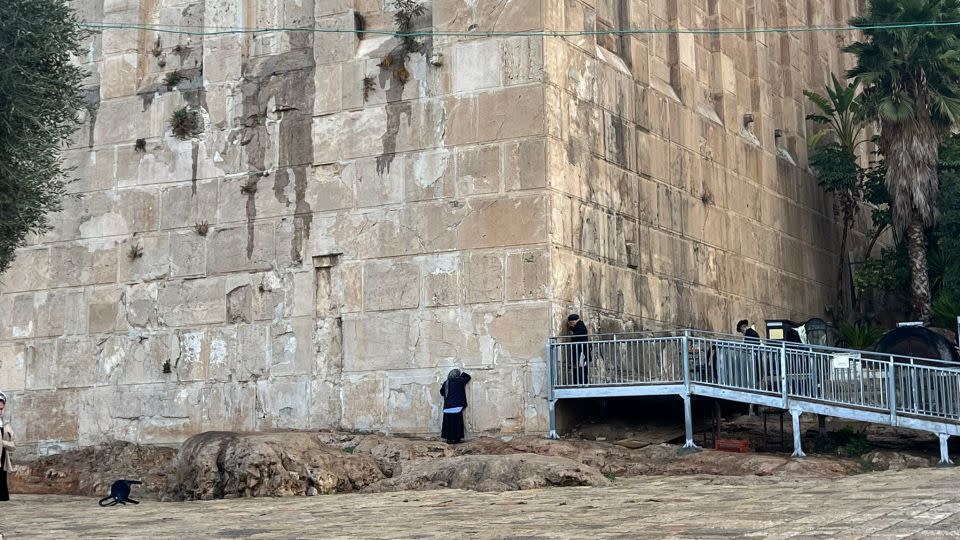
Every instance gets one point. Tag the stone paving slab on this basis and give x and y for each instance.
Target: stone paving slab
(910, 504)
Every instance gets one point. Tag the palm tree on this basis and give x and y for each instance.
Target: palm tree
(911, 78)
(833, 156)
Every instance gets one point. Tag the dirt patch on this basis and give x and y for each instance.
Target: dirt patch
(90, 471)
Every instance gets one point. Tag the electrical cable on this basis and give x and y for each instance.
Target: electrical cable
(184, 30)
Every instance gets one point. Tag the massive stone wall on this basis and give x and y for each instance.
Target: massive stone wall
(677, 163)
(347, 228)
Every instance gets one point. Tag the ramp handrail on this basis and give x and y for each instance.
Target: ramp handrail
(859, 385)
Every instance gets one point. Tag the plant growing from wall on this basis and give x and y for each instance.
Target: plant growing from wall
(40, 95)
(368, 87)
(135, 252)
(173, 78)
(396, 61)
(201, 228)
(186, 123)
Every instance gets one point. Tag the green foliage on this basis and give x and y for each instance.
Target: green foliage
(407, 10)
(901, 68)
(946, 309)
(173, 79)
(40, 97)
(948, 228)
(860, 336)
(844, 442)
(186, 123)
(841, 111)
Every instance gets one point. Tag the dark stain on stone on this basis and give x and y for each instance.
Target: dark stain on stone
(194, 154)
(280, 182)
(395, 111)
(279, 87)
(303, 216)
(619, 141)
(92, 102)
(251, 218)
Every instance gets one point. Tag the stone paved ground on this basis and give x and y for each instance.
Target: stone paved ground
(911, 504)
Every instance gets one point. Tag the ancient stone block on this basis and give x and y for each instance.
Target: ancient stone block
(235, 249)
(483, 277)
(513, 112)
(188, 253)
(391, 285)
(13, 366)
(525, 164)
(191, 302)
(527, 273)
(478, 170)
(144, 258)
(441, 281)
(504, 222)
(476, 65)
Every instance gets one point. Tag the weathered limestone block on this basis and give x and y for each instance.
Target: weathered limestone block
(144, 258)
(483, 277)
(476, 65)
(525, 164)
(141, 360)
(60, 312)
(233, 249)
(526, 275)
(391, 285)
(47, 415)
(293, 349)
(487, 15)
(89, 263)
(13, 366)
(285, 402)
(487, 223)
(478, 170)
(187, 205)
(441, 280)
(188, 254)
(364, 400)
(192, 302)
(413, 403)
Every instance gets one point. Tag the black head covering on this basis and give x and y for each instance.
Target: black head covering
(744, 322)
(573, 317)
(454, 373)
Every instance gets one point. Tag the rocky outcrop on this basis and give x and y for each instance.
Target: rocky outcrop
(492, 473)
(223, 464)
(90, 471)
(887, 460)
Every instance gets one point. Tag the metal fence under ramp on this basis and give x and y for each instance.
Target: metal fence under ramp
(900, 391)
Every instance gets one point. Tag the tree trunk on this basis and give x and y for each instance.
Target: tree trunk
(841, 309)
(920, 286)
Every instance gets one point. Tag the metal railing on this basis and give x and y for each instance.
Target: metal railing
(891, 385)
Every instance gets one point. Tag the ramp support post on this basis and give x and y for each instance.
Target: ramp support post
(797, 439)
(690, 447)
(553, 419)
(944, 451)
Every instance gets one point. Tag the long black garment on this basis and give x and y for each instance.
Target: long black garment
(581, 373)
(4, 493)
(454, 392)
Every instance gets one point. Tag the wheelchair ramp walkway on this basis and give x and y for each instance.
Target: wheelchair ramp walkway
(899, 391)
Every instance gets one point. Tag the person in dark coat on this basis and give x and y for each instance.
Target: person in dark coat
(579, 360)
(454, 392)
(743, 327)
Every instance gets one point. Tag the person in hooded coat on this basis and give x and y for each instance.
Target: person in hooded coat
(580, 352)
(7, 444)
(454, 392)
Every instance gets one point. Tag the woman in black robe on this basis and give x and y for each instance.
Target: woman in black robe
(454, 392)
(6, 442)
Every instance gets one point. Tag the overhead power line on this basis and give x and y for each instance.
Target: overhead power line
(217, 31)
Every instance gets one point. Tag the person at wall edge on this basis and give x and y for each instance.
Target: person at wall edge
(8, 447)
(743, 327)
(454, 392)
(579, 360)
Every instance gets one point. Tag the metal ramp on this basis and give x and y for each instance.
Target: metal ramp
(900, 391)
